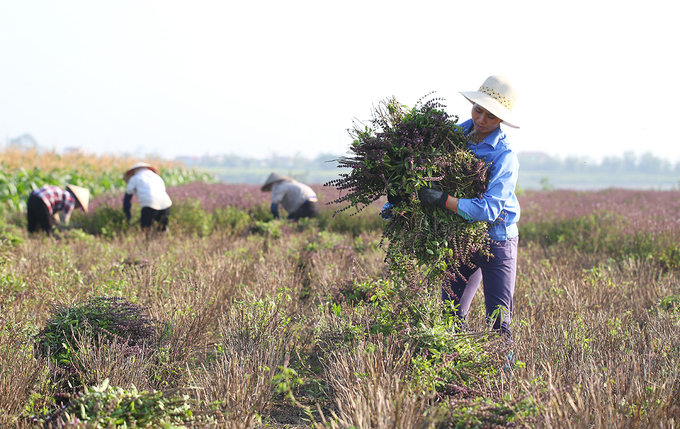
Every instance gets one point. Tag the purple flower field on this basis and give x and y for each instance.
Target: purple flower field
(650, 211)
(217, 195)
(639, 210)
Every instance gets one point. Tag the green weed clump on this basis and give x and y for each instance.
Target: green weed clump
(110, 319)
(232, 219)
(443, 358)
(261, 212)
(455, 364)
(392, 308)
(106, 406)
(354, 224)
(272, 229)
(105, 221)
(428, 371)
(9, 238)
(190, 218)
(667, 307)
(670, 304)
(484, 413)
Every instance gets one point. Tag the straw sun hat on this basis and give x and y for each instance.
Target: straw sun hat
(81, 194)
(137, 166)
(498, 96)
(274, 178)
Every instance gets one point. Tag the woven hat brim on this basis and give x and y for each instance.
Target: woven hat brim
(136, 167)
(492, 105)
(81, 194)
(272, 179)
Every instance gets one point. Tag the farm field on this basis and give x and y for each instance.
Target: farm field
(234, 319)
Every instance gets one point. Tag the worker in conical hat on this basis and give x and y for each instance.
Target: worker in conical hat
(144, 180)
(51, 205)
(298, 199)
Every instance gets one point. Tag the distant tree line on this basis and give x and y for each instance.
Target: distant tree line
(647, 163)
(629, 162)
(275, 162)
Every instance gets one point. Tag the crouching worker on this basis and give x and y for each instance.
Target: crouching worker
(144, 181)
(298, 199)
(51, 205)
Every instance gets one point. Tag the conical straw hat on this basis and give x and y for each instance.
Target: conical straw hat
(274, 178)
(132, 170)
(81, 194)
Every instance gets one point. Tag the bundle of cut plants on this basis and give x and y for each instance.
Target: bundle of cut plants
(401, 151)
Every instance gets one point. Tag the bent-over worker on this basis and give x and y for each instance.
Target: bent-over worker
(298, 199)
(144, 181)
(51, 205)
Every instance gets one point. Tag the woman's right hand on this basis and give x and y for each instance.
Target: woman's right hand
(434, 197)
(394, 199)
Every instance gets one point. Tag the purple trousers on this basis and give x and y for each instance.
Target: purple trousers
(498, 274)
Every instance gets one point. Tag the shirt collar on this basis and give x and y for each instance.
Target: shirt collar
(492, 139)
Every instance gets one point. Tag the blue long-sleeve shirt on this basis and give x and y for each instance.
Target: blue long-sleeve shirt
(499, 205)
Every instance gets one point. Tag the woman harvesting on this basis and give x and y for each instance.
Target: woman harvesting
(498, 206)
(144, 180)
(452, 209)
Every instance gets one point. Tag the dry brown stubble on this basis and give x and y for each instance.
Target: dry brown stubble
(256, 341)
(22, 375)
(595, 355)
(370, 386)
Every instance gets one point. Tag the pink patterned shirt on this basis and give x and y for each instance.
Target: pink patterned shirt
(56, 199)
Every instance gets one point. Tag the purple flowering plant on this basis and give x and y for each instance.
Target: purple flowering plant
(617, 222)
(401, 151)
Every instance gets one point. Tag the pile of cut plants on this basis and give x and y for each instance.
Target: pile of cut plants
(89, 344)
(401, 151)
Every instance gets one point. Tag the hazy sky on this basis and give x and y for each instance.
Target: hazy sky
(255, 78)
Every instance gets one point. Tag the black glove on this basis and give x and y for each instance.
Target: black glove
(396, 199)
(433, 197)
